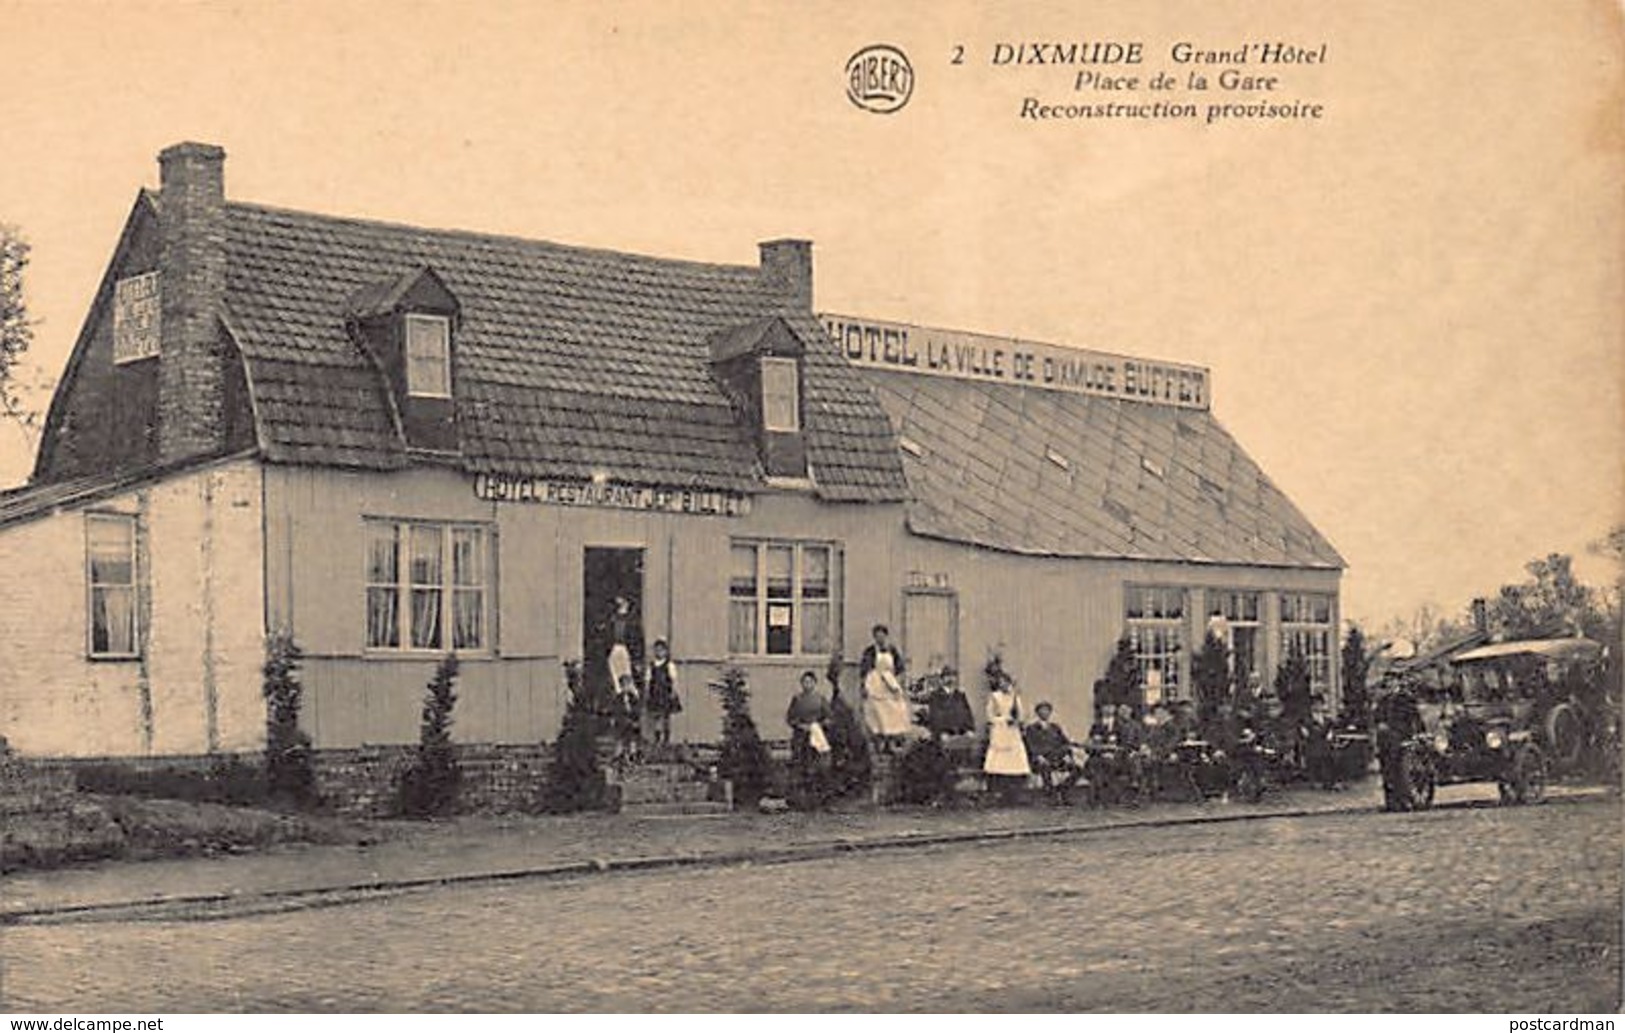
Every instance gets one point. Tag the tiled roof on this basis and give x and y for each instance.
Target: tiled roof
(569, 361)
(19, 505)
(1045, 472)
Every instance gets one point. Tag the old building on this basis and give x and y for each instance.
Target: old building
(394, 442)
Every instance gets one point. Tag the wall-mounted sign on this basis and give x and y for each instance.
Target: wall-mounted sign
(505, 488)
(965, 356)
(136, 308)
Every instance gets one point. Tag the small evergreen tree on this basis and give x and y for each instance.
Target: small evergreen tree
(1121, 683)
(1210, 674)
(1292, 687)
(993, 672)
(851, 770)
(289, 775)
(429, 786)
(1355, 667)
(745, 761)
(925, 773)
(575, 778)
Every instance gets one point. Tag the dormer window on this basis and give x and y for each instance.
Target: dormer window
(428, 356)
(758, 365)
(781, 396)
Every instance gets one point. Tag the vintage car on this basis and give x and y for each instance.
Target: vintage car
(1513, 714)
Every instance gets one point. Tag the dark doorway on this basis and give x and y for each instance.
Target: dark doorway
(611, 610)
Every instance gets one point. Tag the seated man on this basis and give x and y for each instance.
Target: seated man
(1050, 753)
(947, 708)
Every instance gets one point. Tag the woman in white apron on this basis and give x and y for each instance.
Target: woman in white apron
(885, 706)
(1006, 762)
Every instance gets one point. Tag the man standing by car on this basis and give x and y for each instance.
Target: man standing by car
(1397, 719)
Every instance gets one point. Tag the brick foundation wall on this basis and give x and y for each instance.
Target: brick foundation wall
(496, 779)
(43, 820)
(28, 788)
(357, 781)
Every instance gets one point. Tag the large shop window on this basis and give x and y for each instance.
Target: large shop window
(428, 586)
(1306, 621)
(783, 598)
(1156, 625)
(110, 573)
(1243, 617)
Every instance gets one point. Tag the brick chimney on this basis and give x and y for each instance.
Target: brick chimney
(192, 280)
(787, 267)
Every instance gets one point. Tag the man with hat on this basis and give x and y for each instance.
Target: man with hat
(1050, 752)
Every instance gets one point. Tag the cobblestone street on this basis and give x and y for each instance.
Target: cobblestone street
(1509, 909)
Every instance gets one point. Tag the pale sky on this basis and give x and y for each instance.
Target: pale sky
(1412, 308)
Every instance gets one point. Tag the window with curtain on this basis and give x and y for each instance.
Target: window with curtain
(783, 598)
(111, 574)
(1306, 622)
(428, 586)
(781, 395)
(1242, 613)
(428, 356)
(1155, 619)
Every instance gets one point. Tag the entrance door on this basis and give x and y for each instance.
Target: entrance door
(930, 631)
(611, 610)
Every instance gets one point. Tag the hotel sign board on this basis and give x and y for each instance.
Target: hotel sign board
(493, 487)
(899, 347)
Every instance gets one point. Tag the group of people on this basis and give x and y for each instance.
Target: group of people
(1016, 748)
(645, 701)
(1017, 745)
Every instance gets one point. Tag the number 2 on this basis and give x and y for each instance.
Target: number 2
(959, 54)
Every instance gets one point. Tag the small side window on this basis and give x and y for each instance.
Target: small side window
(428, 356)
(110, 573)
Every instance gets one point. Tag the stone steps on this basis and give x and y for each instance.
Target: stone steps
(693, 808)
(664, 788)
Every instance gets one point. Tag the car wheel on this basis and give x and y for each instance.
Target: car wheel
(1565, 735)
(1529, 775)
(1419, 781)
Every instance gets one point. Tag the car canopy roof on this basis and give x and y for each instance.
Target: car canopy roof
(1544, 648)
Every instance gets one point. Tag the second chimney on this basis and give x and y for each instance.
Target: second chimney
(192, 282)
(787, 268)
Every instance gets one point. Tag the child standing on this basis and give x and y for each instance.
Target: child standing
(661, 700)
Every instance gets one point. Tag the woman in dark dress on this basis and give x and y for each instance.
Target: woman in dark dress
(808, 718)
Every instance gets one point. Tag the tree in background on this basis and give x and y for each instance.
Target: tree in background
(1551, 601)
(16, 329)
(429, 787)
(1210, 675)
(1121, 682)
(745, 761)
(289, 774)
(1355, 666)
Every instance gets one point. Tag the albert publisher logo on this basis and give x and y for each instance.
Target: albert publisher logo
(879, 79)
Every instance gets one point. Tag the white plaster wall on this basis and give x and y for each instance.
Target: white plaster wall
(201, 574)
(207, 636)
(52, 699)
